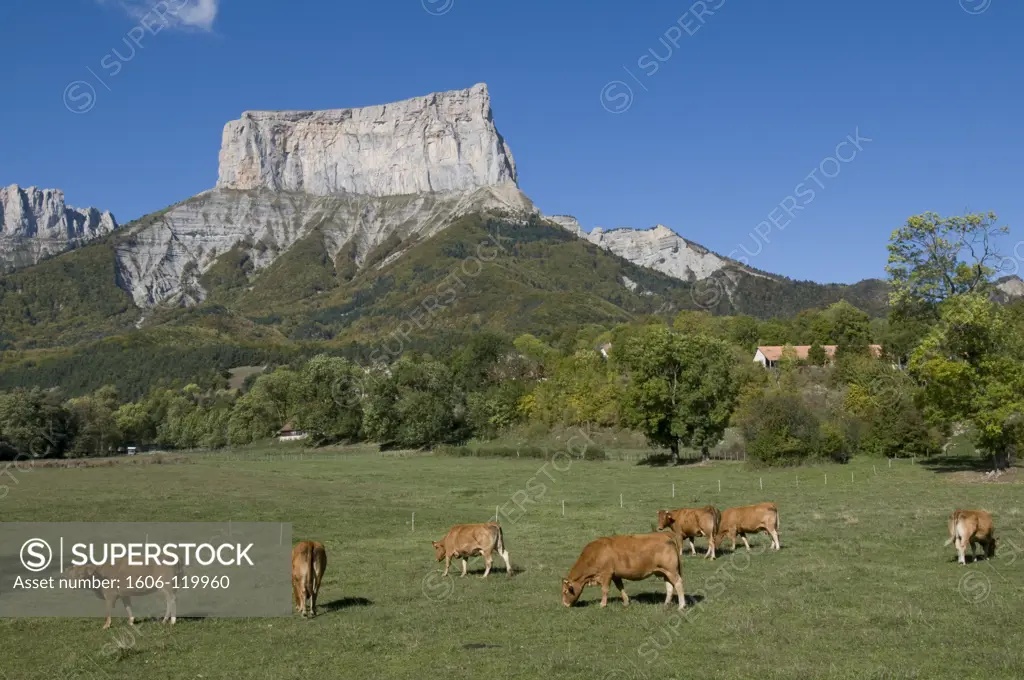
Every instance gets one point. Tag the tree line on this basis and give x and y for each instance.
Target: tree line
(953, 360)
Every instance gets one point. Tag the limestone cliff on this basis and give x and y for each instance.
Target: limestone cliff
(658, 248)
(442, 142)
(36, 223)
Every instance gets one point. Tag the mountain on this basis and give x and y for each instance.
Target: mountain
(358, 176)
(36, 223)
(337, 229)
(1008, 288)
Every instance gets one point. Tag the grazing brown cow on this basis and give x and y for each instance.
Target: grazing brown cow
(309, 561)
(466, 540)
(749, 519)
(634, 558)
(689, 522)
(971, 526)
(123, 581)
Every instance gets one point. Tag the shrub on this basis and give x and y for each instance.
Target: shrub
(779, 428)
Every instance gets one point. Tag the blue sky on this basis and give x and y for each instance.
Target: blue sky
(728, 112)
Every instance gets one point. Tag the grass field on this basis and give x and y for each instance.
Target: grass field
(862, 588)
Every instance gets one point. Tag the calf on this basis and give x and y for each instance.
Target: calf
(634, 558)
(309, 561)
(971, 526)
(689, 522)
(750, 519)
(125, 581)
(466, 540)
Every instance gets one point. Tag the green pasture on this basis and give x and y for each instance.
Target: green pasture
(862, 588)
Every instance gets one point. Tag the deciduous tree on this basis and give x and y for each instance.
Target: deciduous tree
(680, 389)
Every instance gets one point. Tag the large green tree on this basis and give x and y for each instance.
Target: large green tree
(680, 391)
(414, 403)
(327, 393)
(971, 369)
(933, 258)
(34, 424)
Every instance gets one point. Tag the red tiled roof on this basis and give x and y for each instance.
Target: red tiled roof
(774, 352)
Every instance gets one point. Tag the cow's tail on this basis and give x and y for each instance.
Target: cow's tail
(717, 522)
(311, 572)
(499, 539)
(952, 527)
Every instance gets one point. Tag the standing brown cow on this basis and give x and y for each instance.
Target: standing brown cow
(750, 519)
(309, 561)
(466, 540)
(690, 522)
(634, 558)
(971, 526)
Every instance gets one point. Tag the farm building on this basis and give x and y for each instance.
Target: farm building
(769, 355)
(290, 434)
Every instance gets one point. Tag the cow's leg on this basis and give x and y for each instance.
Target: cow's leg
(295, 594)
(733, 537)
(693, 548)
(775, 538)
(668, 592)
(961, 550)
(604, 593)
(622, 590)
(487, 564)
(447, 563)
(168, 605)
(678, 584)
(744, 537)
(110, 611)
(508, 564)
(711, 547)
(465, 563)
(128, 608)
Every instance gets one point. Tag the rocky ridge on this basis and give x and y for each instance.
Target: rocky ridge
(37, 223)
(162, 261)
(658, 248)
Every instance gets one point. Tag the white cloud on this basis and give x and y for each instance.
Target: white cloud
(185, 14)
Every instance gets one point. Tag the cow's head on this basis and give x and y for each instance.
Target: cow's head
(570, 592)
(664, 519)
(438, 550)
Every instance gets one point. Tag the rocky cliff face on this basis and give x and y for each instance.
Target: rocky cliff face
(443, 142)
(162, 260)
(659, 248)
(35, 223)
